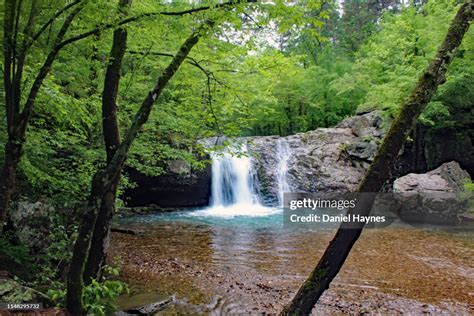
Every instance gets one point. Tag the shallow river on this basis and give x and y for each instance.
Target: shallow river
(241, 264)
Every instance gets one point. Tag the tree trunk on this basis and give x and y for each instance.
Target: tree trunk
(8, 177)
(17, 122)
(103, 180)
(12, 75)
(378, 173)
(101, 236)
(111, 133)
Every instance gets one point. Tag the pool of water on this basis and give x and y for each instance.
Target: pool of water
(246, 261)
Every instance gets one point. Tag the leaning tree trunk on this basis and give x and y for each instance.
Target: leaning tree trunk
(111, 133)
(103, 180)
(378, 173)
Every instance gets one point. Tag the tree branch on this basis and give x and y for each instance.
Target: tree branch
(43, 72)
(191, 60)
(15, 33)
(21, 57)
(211, 108)
(133, 69)
(253, 20)
(51, 20)
(149, 14)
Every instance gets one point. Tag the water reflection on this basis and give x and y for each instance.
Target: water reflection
(255, 265)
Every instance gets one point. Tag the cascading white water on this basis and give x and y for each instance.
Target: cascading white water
(232, 180)
(283, 152)
(233, 187)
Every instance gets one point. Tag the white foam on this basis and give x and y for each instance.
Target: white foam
(231, 211)
(234, 191)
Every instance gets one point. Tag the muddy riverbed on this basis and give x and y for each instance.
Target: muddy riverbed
(254, 265)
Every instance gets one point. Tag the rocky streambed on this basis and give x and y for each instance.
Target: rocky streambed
(255, 266)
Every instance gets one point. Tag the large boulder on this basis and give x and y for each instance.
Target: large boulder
(432, 197)
(365, 125)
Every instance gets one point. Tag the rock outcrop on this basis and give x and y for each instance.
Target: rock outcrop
(14, 293)
(432, 197)
(181, 186)
(323, 160)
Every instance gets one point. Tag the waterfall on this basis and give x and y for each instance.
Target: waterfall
(233, 187)
(232, 179)
(283, 152)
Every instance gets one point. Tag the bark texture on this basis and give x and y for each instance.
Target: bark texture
(7, 174)
(103, 180)
(111, 133)
(378, 173)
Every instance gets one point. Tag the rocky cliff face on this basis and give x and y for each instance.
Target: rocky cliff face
(431, 147)
(323, 160)
(326, 159)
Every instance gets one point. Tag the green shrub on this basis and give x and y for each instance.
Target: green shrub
(99, 297)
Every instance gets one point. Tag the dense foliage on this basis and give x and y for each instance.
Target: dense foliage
(234, 84)
(264, 69)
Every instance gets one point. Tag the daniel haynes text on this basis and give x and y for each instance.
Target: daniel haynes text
(324, 218)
